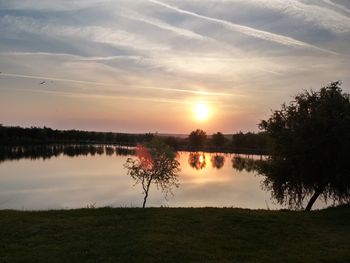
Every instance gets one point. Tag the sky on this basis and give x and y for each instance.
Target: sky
(144, 65)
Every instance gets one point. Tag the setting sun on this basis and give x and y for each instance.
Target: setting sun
(201, 111)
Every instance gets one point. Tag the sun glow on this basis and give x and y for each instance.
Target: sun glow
(201, 111)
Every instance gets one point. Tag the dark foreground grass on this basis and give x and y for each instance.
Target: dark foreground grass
(175, 235)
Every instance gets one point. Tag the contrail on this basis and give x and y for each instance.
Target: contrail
(249, 31)
(197, 92)
(50, 78)
(342, 7)
(102, 96)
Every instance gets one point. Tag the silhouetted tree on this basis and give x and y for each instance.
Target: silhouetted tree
(197, 138)
(155, 163)
(250, 142)
(310, 151)
(218, 139)
(172, 141)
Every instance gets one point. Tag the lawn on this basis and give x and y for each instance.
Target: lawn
(175, 235)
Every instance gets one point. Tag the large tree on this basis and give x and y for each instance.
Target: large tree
(155, 163)
(310, 148)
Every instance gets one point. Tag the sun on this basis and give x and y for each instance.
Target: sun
(201, 111)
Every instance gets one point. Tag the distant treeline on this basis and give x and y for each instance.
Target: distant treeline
(247, 143)
(35, 135)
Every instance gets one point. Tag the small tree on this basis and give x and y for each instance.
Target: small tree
(197, 138)
(310, 148)
(155, 163)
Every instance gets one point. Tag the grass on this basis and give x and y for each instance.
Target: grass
(175, 235)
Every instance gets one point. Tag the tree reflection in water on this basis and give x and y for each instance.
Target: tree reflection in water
(197, 160)
(248, 164)
(217, 161)
(47, 151)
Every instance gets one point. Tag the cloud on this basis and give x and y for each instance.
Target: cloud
(249, 31)
(114, 37)
(205, 93)
(160, 24)
(318, 15)
(243, 56)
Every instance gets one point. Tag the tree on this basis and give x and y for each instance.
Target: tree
(310, 148)
(197, 138)
(218, 139)
(155, 163)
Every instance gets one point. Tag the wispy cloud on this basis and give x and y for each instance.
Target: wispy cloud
(338, 6)
(318, 15)
(205, 93)
(130, 14)
(256, 33)
(245, 56)
(80, 95)
(99, 34)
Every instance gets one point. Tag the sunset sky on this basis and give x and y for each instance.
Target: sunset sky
(148, 65)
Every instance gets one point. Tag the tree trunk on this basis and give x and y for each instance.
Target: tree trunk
(146, 194)
(313, 199)
(144, 200)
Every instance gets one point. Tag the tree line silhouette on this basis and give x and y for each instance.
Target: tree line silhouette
(198, 140)
(37, 135)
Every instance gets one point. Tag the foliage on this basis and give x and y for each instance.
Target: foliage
(218, 139)
(155, 163)
(250, 142)
(19, 135)
(310, 153)
(197, 139)
(241, 142)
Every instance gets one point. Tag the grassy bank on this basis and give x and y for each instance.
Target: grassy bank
(175, 235)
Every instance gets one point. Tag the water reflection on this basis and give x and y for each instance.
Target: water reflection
(197, 160)
(244, 163)
(48, 151)
(217, 161)
(96, 175)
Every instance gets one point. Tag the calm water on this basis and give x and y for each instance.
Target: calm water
(78, 181)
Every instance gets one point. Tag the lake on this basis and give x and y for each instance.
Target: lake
(65, 179)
